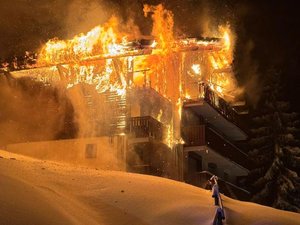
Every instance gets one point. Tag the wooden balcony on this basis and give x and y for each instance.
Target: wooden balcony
(225, 117)
(145, 126)
(194, 135)
(204, 135)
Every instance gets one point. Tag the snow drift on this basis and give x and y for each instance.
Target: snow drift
(42, 192)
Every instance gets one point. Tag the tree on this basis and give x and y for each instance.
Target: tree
(274, 143)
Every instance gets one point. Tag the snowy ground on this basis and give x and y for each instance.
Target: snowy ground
(42, 192)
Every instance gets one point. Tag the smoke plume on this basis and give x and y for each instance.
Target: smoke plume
(32, 112)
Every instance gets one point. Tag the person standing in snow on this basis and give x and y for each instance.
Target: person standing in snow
(215, 189)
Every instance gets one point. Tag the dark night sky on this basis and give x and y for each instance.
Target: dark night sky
(274, 31)
(267, 31)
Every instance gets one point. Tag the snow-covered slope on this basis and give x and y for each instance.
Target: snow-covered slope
(41, 192)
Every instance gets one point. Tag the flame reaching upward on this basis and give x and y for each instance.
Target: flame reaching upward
(113, 60)
(226, 39)
(104, 40)
(163, 25)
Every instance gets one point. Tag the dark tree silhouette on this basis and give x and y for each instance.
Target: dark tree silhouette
(275, 180)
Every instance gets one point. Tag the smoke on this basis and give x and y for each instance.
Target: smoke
(21, 21)
(207, 21)
(83, 15)
(82, 99)
(32, 112)
(64, 19)
(245, 64)
(212, 15)
(247, 68)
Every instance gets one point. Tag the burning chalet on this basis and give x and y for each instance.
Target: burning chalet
(154, 105)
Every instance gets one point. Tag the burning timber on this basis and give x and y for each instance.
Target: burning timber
(133, 68)
(182, 75)
(167, 107)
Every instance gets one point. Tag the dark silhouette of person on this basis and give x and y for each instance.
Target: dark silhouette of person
(215, 189)
(219, 217)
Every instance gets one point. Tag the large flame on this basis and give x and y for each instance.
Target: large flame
(112, 60)
(163, 24)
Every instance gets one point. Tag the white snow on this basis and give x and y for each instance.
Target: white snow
(43, 192)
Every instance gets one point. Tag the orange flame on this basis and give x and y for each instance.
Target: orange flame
(106, 58)
(163, 24)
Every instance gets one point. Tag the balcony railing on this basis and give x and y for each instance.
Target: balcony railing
(219, 104)
(146, 126)
(227, 188)
(194, 135)
(226, 148)
(214, 100)
(204, 135)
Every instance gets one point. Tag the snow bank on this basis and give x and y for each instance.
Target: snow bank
(43, 192)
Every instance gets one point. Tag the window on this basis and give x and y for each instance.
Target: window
(91, 151)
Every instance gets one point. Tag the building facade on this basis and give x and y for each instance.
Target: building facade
(168, 113)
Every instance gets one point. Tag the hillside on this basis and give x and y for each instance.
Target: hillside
(42, 192)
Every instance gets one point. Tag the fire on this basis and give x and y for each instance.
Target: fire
(226, 39)
(196, 68)
(112, 60)
(187, 96)
(222, 79)
(169, 136)
(179, 106)
(159, 115)
(163, 24)
(104, 40)
(154, 44)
